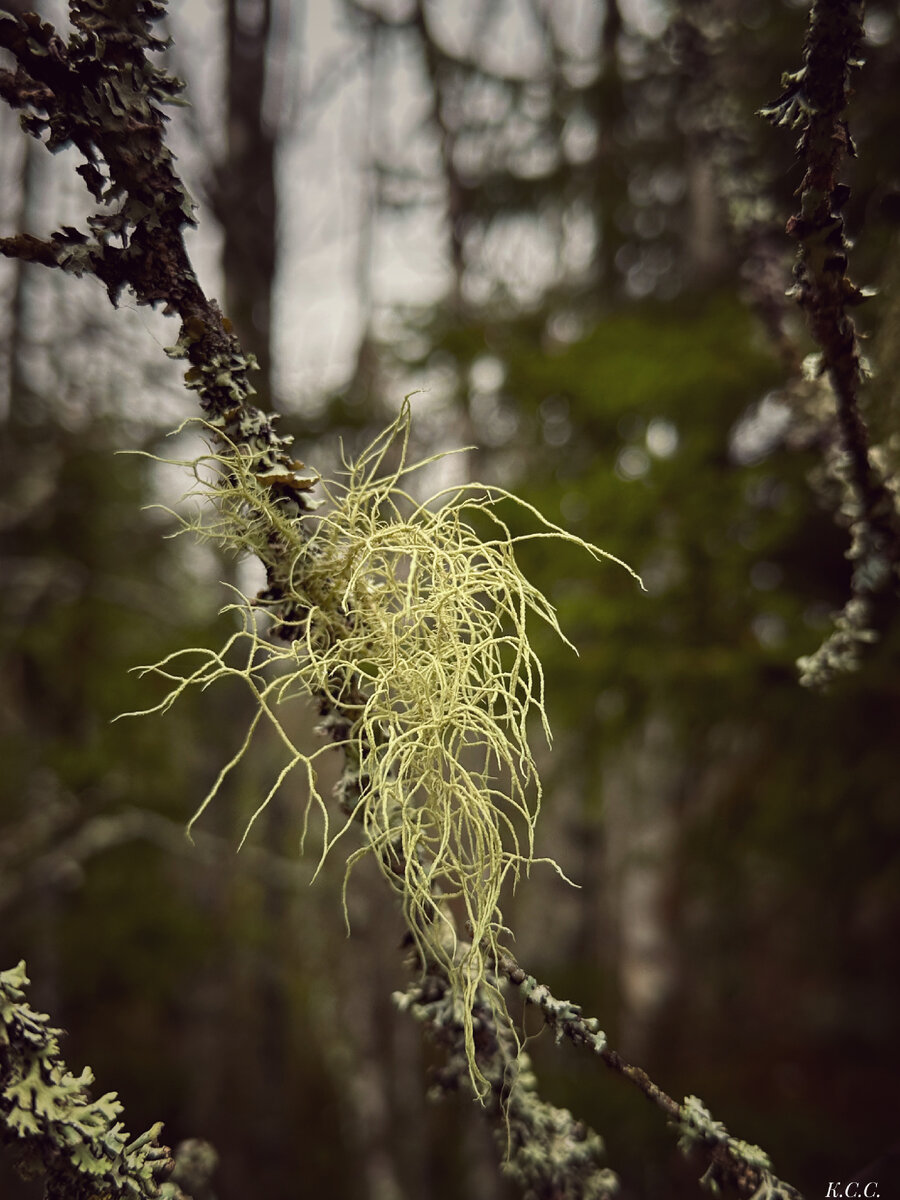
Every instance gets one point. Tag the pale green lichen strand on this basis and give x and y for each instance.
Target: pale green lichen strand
(412, 631)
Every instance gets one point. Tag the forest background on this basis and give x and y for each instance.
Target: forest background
(564, 223)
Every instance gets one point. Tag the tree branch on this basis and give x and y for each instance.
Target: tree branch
(815, 100)
(731, 1162)
(547, 1152)
(54, 1126)
(20, 91)
(28, 248)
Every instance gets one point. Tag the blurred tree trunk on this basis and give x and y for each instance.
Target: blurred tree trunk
(239, 1008)
(609, 106)
(642, 838)
(20, 398)
(250, 204)
(364, 387)
(700, 32)
(244, 190)
(22, 462)
(444, 121)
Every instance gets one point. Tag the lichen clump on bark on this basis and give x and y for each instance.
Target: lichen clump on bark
(413, 637)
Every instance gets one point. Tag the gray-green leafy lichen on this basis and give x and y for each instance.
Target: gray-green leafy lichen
(100, 92)
(52, 1124)
(565, 1018)
(733, 1164)
(873, 552)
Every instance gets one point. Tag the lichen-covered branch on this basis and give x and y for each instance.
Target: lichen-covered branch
(547, 1152)
(100, 92)
(731, 1162)
(54, 1127)
(815, 100)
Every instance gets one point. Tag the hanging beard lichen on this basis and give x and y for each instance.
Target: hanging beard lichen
(413, 638)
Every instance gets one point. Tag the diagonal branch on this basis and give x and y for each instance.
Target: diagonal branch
(54, 1126)
(547, 1152)
(731, 1162)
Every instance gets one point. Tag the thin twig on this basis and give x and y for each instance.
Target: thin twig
(549, 1153)
(730, 1161)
